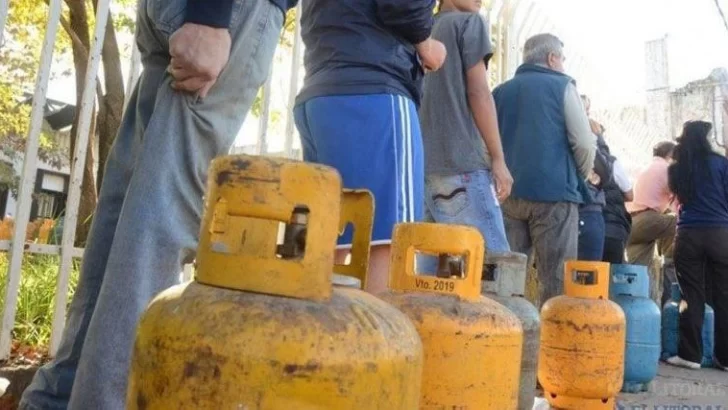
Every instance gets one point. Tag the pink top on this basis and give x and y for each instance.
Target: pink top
(651, 190)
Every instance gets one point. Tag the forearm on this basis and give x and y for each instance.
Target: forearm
(581, 139)
(484, 113)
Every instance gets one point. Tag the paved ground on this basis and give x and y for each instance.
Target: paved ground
(681, 389)
(676, 389)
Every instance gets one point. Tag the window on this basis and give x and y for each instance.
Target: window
(46, 205)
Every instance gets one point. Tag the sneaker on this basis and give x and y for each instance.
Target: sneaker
(680, 362)
(718, 365)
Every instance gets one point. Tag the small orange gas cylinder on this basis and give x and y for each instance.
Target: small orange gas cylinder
(6, 228)
(581, 362)
(472, 344)
(44, 232)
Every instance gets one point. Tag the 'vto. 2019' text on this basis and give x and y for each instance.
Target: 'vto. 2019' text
(437, 285)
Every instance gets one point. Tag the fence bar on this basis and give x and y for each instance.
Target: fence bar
(4, 5)
(526, 23)
(27, 183)
(41, 249)
(527, 28)
(79, 158)
(188, 272)
(511, 43)
(262, 145)
(293, 86)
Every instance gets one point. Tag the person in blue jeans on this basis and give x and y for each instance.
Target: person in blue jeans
(591, 221)
(204, 62)
(357, 110)
(466, 172)
(592, 228)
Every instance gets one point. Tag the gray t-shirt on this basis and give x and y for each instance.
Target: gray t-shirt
(453, 144)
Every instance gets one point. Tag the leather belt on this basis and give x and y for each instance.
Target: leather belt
(640, 212)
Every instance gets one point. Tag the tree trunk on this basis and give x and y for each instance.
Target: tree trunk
(112, 103)
(89, 198)
(79, 24)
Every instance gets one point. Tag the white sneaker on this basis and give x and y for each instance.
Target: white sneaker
(718, 365)
(680, 362)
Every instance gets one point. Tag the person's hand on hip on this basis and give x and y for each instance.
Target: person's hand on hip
(432, 54)
(199, 54)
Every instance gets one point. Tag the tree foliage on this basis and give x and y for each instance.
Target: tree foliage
(20, 57)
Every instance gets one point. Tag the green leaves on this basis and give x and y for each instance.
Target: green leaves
(36, 297)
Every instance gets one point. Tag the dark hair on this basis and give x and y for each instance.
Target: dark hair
(664, 149)
(691, 156)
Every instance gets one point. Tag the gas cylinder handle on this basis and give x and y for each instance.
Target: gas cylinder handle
(629, 280)
(247, 199)
(588, 280)
(357, 208)
(624, 277)
(410, 238)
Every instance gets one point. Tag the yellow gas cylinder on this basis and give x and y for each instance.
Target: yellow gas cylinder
(472, 344)
(261, 326)
(581, 362)
(6, 228)
(357, 211)
(45, 231)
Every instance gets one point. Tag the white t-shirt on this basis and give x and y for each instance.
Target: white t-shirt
(621, 177)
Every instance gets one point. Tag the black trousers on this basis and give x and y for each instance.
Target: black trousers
(614, 250)
(701, 257)
(668, 278)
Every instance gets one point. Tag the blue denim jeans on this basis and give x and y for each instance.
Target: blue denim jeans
(467, 199)
(146, 224)
(591, 235)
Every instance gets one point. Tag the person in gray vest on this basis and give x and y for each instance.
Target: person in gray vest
(549, 149)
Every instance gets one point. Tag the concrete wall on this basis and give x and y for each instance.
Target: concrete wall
(657, 81)
(667, 111)
(691, 103)
(702, 100)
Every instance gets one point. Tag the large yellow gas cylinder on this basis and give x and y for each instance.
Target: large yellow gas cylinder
(472, 344)
(581, 361)
(261, 326)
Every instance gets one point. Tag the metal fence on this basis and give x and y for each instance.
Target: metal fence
(511, 22)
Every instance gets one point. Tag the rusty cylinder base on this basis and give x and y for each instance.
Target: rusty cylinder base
(579, 403)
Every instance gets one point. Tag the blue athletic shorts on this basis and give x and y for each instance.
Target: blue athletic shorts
(374, 141)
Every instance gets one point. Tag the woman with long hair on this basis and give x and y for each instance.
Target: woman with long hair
(699, 179)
